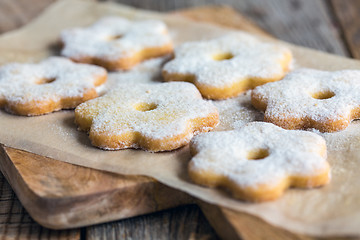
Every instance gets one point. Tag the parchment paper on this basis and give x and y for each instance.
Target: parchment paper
(331, 210)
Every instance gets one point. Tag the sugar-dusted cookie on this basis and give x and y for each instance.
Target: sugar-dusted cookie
(308, 98)
(154, 117)
(53, 84)
(117, 43)
(259, 161)
(226, 66)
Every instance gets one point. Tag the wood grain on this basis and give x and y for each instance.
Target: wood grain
(305, 23)
(90, 196)
(347, 13)
(186, 222)
(15, 222)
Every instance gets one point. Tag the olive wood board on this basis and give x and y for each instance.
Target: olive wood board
(60, 195)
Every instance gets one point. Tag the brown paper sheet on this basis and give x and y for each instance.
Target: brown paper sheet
(332, 210)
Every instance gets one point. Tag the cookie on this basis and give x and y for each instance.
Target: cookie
(227, 66)
(154, 117)
(53, 84)
(259, 161)
(308, 98)
(117, 43)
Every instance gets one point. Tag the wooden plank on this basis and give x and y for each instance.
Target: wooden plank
(15, 222)
(305, 23)
(186, 222)
(347, 13)
(42, 184)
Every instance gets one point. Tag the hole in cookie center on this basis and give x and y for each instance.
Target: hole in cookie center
(257, 154)
(144, 107)
(323, 95)
(115, 37)
(223, 56)
(45, 80)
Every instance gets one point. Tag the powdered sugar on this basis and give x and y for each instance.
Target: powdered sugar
(236, 112)
(320, 96)
(290, 153)
(250, 58)
(112, 38)
(168, 109)
(233, 113)
(22, 83)
(146, 72)
(342, 142)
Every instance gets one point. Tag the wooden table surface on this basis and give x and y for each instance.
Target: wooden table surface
(331, 26)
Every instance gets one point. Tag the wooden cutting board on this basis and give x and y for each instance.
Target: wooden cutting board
(60, 195)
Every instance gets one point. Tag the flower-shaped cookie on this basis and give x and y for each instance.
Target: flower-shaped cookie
(155, 117)
(259, 161)
(53, 84)
(226, 66)
(117, 43)
(308, 98)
